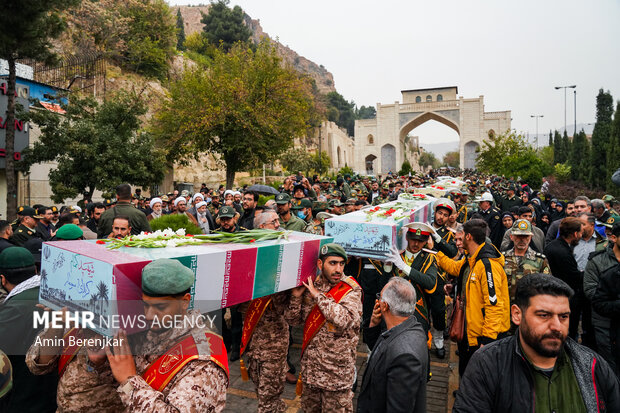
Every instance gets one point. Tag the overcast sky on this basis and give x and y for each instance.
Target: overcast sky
(513, 53)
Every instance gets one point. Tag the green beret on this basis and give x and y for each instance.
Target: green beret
(333, 250)
(69, 232)
(15, 257)
(164, 277)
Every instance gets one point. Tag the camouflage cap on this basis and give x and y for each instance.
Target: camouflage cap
(336, 194)
(609, 198)
(283, 198)
(522, 227)
(350, 201)
(333, 249)
(185, 192)
(325, 179)
(303, 203)
(164, 277)
(319, 206)
(385, 186)
(15, 257)
(335, 203)
(226, 212)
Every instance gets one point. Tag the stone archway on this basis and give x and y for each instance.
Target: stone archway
(425, 117)
(370, 164)
(470, 155)
(388, 158)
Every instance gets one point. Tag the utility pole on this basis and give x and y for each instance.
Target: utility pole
(565, 87)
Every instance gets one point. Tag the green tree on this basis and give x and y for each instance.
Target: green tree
(320, 162)
(365, 112)
(341, 112)
(246, 108)
(511, 155)
(558, 148)
(428, 159)
(405, 168)
(613, 155)
(566, 146)
(180, 31)
(96, 146)
(579, 157)
(27, 30)
(225, 26)
(452, 159)
(601, 139)
(296, 159)
(550, 139)
(151, 37)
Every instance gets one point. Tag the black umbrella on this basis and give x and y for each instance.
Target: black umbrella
(263, 189)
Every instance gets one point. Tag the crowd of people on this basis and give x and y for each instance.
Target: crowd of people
(526, 283)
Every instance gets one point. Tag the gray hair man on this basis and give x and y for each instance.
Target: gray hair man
(398, 366)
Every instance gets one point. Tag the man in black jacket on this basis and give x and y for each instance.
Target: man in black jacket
(397, 371)
(249, 202)
(563, 265)
(539, 368)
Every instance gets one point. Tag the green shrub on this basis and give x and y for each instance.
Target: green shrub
(175, 222)
(562, 172)
(264, 198)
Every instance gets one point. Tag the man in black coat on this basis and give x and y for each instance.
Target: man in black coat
(563, 265)
(539, 368)
(396, 374)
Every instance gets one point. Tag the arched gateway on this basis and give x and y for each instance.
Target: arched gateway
(394, 121)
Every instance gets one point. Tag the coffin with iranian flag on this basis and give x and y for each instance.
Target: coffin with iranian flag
(89, 276)
(371, 232)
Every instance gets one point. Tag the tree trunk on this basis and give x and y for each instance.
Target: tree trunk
(230, 177)
(11, 176)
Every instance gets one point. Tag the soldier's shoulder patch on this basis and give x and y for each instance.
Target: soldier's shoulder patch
(539, 255)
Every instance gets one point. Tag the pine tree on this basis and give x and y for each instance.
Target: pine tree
(558, 149)
(28, 27)
(180, 31)
(225, 26)
(566, 147)
(550, 138)
(576, 155)
(585, 166)
(613, 155)
(600, 139)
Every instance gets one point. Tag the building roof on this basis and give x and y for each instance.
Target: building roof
(431, 88)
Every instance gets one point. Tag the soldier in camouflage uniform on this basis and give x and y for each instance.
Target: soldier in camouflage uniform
(198, 386)
(317, 225)
(328, 360)
(86, 382)
(522, 260)
(384, 196)
(266, 352)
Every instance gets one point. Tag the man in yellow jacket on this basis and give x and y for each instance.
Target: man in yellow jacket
(483, 286)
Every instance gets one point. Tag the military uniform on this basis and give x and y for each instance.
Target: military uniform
(137, 219)
(314, 228)
(266, 353)
(21, 235)
(462, 210)
(82, 387)
(328, 362)
(380, 200)
(199, 386)
(293, 224)
(518, 267)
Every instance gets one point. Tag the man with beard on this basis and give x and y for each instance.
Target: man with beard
(45, 229)
(250, 201)
(179, 364)
(564, 266)
(181, 208)
(156, 205)
(288, 221)
(521, 260)
(331, 308)
(121, 227)
(539, 368)
(95, 215)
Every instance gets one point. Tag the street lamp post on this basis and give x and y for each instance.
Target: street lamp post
(537, 116)
(565, 87)
(575, 132)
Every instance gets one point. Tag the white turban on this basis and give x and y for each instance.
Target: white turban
(236, 193)
(200, 204)
(229, 191)
(179, 199)
(196, 195)
(77, 208)
(154, 201)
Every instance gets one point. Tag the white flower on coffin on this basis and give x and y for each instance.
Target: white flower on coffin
(168, 232)
(181, 232)
(171, 243)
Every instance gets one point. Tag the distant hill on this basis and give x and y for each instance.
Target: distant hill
(323, 78)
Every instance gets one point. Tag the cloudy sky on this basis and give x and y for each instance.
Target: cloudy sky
(513, 53)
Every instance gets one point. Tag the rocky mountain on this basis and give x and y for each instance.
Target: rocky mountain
(323, 78)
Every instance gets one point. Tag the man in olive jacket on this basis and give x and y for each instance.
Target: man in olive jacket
(123, 207)
(397, 371)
